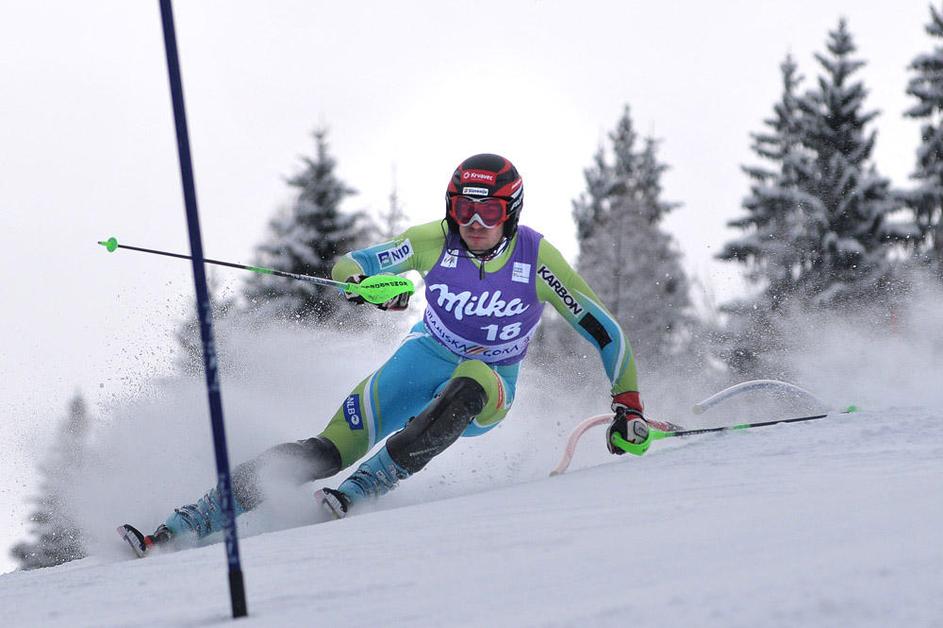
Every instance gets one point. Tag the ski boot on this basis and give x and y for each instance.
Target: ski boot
(375, 477)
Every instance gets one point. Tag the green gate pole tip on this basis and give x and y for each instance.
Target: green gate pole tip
(111, 244)
(851, 408)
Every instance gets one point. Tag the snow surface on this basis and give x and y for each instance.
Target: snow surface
(831, 523)
(828, 523)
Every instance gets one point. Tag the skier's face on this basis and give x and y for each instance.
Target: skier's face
(480, 238)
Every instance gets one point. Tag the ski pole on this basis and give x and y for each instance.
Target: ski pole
(375, 289)
(653, 434)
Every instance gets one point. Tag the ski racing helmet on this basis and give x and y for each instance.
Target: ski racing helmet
(480, 179)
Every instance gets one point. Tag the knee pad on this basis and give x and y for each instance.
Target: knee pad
(497, 401)
(438, 425)
(475, 369)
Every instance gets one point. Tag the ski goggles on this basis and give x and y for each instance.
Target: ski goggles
(489, 212)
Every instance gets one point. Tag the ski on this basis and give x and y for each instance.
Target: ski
(135, 539)
(333, 503)
(332, 506)
(143, 544)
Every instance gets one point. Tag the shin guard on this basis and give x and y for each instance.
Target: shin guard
(438, 425)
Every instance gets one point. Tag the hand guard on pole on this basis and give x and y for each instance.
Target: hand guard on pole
(397, 303)
(629, 423)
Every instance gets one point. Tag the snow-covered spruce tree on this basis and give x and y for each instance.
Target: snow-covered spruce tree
(926, 200)
(632, 263)
(306, 238)
(846, 228)
(776, 245)
(591, 206)
(55, 537)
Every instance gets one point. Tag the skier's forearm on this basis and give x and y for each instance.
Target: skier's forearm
(392, 257)
(417, 249)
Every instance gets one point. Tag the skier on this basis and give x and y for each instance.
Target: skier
(487, 279)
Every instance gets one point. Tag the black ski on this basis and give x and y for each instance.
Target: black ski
(135, 539)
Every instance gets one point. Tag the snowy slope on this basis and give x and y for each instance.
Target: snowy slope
(830, 523)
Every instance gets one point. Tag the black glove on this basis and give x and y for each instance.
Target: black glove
(628, 422)
(630, 426)
(353, 297)
(397, 303)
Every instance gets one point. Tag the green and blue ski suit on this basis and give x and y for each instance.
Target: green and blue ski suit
(479, 320)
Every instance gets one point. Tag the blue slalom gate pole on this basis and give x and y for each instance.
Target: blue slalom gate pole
(237, 591)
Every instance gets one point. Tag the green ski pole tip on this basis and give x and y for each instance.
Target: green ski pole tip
(111, 244)
(851, 408)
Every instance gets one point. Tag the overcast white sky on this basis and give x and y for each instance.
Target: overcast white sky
(87, 148)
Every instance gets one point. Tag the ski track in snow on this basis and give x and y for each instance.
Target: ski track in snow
(830, 523)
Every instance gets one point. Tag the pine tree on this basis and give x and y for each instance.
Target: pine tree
(306, 239)
(632, 264)
(848, 233)
(590, 207)
(776, 244)
(926, 200)
(56, 538)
